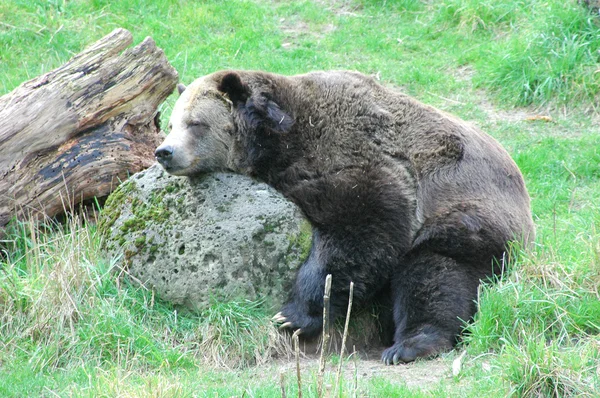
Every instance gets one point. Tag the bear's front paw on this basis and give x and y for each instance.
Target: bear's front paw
(284, 323)
(290, 318)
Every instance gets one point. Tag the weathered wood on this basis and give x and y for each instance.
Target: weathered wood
(77, 131)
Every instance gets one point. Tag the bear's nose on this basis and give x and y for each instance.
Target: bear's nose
(164, 153)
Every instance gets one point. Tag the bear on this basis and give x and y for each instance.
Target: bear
(406, 201)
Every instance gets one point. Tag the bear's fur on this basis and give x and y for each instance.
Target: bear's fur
(404, 199)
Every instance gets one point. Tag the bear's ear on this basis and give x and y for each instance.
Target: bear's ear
(181, 88)
(257, 109)
(232, 85)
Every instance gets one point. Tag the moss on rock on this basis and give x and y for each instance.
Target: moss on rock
(303, 240)
(113, 205)
(141, 212)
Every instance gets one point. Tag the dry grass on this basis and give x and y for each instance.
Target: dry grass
(44, 283)
(61, 303)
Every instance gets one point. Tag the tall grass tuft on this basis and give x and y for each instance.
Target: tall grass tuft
(61, 305)
(538, 368)
(475, 15)
(538, 297)
(554, 58)
(528, 52)
(540, 320)
(240, 333)
(44, 287)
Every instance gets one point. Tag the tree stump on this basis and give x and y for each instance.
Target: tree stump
(76, 132)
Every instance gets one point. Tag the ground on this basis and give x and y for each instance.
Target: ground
(422, 374)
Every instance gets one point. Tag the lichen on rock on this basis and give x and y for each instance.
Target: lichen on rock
(193, 240)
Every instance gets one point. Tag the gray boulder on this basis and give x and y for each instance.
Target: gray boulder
(217, 237)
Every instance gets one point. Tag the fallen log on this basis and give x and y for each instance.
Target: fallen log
(76, 132)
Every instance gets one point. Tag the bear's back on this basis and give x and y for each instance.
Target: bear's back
(453, 162)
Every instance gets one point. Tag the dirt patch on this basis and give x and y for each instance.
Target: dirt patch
(342, 7)
(464, 73)
(296, 30)
(494, 114)
(362, 361)
(294, 27)
(423, 374)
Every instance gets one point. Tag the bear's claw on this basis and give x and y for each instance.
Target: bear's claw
(282, 319)
(286, 325)
(398, 354)
(279, 317)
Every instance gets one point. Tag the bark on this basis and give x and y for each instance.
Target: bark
(76, 132)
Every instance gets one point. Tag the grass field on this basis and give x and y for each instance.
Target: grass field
(68, 327)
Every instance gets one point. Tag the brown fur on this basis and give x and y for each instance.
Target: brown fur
(405, 200)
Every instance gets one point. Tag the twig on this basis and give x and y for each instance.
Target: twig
(345, 336)
(54, 34)
(282, 383)
(457, 364)
(297, 349)
(324, 346)
(446, 99)
(238, 50)
(355, 393)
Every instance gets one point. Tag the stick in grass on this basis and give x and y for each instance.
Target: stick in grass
(355, 393)
(345, 336)
(297, 350)
(282, 383)
(326, 336)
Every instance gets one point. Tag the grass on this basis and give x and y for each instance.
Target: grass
(533, 52)
(70, 325)
(64, 309)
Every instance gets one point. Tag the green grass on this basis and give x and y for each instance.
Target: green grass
(527, 52)
(71, 325)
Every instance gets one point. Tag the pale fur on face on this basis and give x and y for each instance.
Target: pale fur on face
(201, 131)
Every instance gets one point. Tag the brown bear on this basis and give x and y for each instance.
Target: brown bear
(405, 200)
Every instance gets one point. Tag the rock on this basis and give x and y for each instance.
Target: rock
(220, 236)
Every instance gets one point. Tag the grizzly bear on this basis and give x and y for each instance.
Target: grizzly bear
(403, 198)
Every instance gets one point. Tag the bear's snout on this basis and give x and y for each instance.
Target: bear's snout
(164, 154)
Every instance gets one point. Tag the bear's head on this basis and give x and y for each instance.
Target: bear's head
(200, 131)
(213, 122)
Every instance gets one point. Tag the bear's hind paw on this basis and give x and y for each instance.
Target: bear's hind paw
(428, 343)
(398, 354)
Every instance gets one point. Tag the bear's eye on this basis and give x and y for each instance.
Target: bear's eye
(197, 124)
